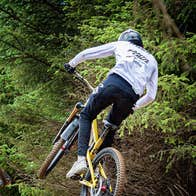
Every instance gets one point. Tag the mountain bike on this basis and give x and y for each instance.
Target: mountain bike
(106, 167)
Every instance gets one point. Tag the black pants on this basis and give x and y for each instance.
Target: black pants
(113, 91)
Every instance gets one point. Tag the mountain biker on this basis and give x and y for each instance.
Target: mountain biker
(134, 72)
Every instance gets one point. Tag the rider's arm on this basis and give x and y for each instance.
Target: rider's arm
(94, 53)
(151, 91)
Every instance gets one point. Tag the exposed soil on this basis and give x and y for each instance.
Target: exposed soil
(146, 175)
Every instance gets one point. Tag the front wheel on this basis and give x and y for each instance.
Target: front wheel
(51, 161)
(112, 163)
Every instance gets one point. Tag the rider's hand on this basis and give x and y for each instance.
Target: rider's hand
(69, 68)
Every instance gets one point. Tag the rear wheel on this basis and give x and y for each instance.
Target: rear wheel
(46, 167)
(113, 165)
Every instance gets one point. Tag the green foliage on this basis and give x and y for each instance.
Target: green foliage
(181, 152)
(37, 37)
(25, 190)
(169, 87)
(22, 189)
(183, 12)
(178, 54)
(7, 89)
(10, 155)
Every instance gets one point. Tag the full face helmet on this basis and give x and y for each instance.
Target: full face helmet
(131, 36)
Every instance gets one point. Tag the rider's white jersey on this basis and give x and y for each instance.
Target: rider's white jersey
(133, 63)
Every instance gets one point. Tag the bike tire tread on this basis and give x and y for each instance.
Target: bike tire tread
(43, 169)
(121, 175)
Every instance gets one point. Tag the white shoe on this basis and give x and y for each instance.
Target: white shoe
(78, 168)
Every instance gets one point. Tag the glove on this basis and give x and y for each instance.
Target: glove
(69, 68)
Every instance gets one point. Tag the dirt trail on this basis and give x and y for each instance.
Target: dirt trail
(145, 176)
(143, 173)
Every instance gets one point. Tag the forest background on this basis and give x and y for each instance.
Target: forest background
(38, 36)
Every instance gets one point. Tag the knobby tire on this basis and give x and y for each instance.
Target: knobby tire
(120, 171)
(42, 173)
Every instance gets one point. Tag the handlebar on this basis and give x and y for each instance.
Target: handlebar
(83, 80)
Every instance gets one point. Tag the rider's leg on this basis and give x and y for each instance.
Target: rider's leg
(120, 110)
(96, 103)
(116, 118)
